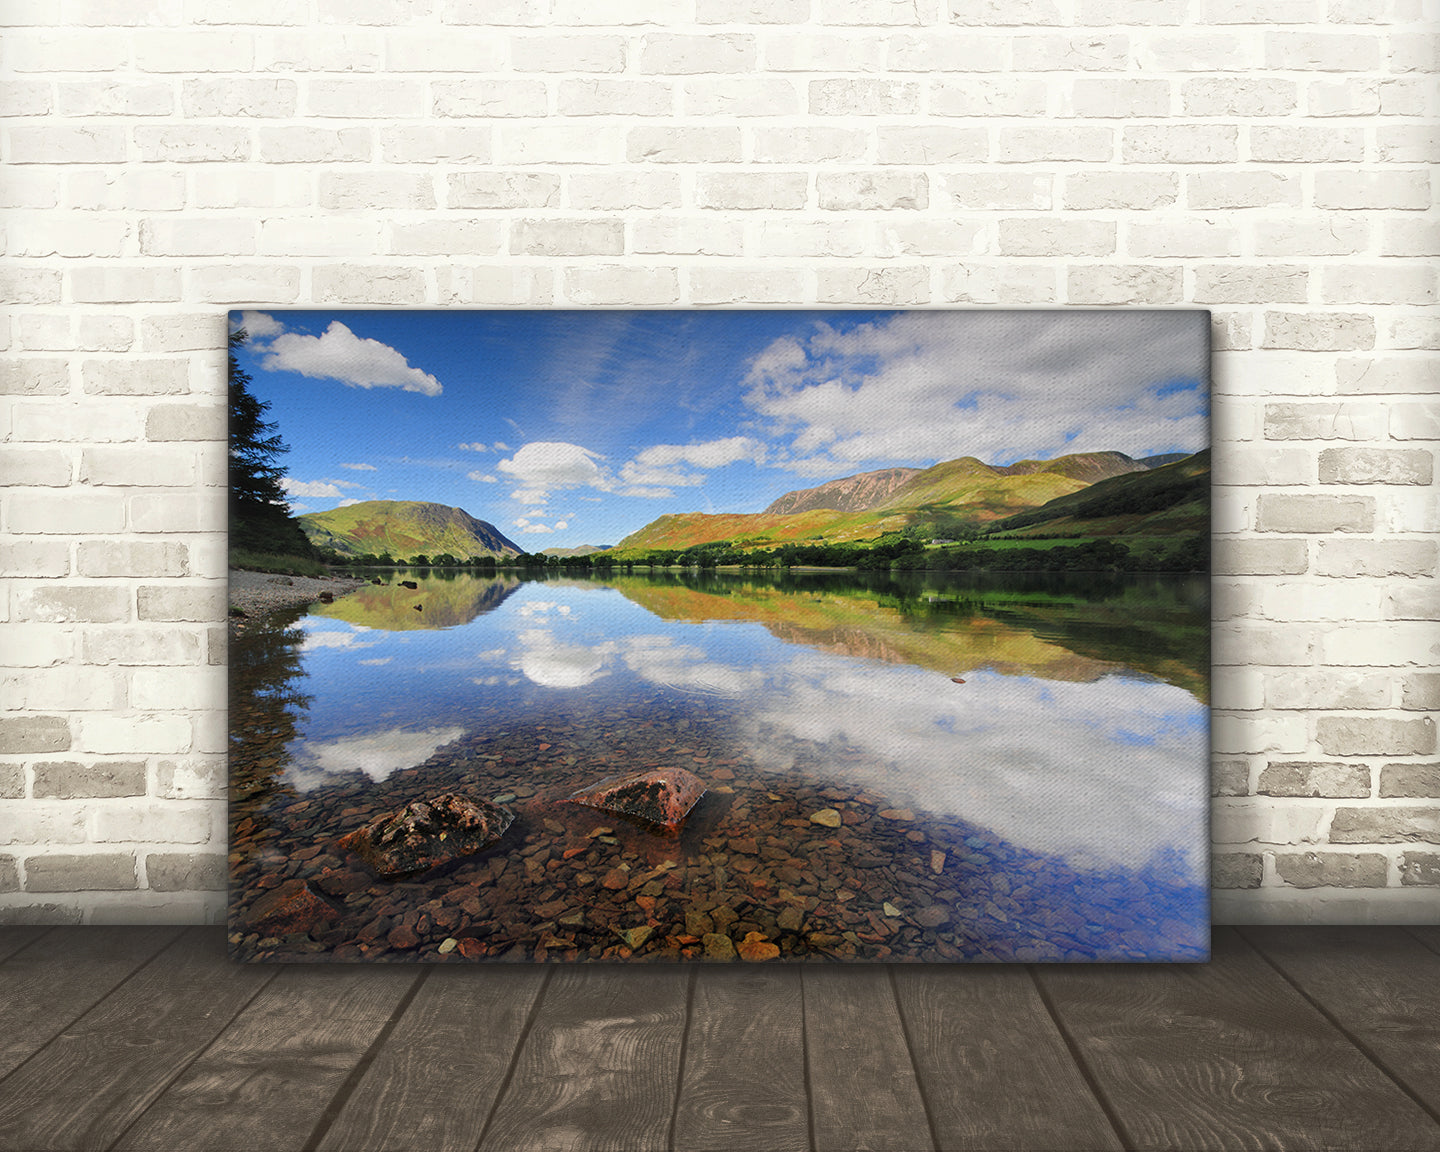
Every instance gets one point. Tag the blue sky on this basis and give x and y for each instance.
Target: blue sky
(566, 428)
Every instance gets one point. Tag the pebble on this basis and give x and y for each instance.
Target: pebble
(826, 817)
(756, 948)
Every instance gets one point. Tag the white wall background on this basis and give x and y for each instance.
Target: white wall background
(165, 160)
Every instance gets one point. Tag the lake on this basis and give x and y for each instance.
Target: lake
(1019, 764)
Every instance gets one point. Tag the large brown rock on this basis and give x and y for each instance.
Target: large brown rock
(662, 797)
(428, 833)
(292, 907)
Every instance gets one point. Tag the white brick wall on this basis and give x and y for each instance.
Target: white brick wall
(1269, 159)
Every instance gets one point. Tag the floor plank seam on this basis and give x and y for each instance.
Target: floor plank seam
(805, 1067)
(914, 1064)
(28, 944)
(684, 1047)
(1433, 947)
(1359, 1045)
(357, 1074)
(201, 1051)
(520, 1042)
(99, 1001)
(1081, 1064)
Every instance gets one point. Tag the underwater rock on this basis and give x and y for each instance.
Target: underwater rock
(662, 796)
(292, 907)
(408, 584)
(428, 833)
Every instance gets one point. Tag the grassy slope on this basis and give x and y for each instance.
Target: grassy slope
(403, 528)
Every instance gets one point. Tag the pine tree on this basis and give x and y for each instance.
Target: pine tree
(260, 519)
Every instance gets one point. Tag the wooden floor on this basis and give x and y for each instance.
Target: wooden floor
(150, 1038)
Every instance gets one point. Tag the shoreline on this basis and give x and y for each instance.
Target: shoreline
(256, 593)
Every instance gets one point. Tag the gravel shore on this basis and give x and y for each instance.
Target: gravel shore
(258, 592)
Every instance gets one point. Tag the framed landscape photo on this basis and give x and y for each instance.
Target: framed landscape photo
(730, 636)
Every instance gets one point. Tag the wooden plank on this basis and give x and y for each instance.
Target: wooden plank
(51, 984)
(1227, 1055)
(994, 1069)
(18, 936)
(1427, 934)
(744, 1077)
(600, 1065)
(268, 1079)
(436, 1079)
(863, 1090)
(1381, 985)
(92, 1081)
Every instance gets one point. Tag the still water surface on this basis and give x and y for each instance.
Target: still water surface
(1022, 761)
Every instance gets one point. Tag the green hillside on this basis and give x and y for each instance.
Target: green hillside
(405, 528)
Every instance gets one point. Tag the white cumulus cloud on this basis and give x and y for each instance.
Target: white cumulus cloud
(356, 361)
(260, 325)
(315, 489)
(545, 466)
(482, 477)
(359, 467)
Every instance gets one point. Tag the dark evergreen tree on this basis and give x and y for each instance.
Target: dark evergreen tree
(260, 519)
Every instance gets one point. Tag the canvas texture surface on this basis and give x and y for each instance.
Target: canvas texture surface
(740, 637)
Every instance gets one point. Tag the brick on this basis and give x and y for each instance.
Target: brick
(1315, 514)
(185, 422)
(1333, 688)
(1376, 466)
(524, 12)
(1096, 52)
(376, 190)
(445, 237)
(191, 143)
(1314, 778)
(1180, 144)
(365, 98)
(1391, 374)
(1298, 144)
(1121, 284)
(131, 646)
(1410, 781)
(27, 97)
(172, 512)
(503, 190)
(1408, 144)
(185, 871)
(1005, 13)
(1381, 645)
(35, 237)
(69, 689)
(685, 145)
(752, 190)
(752, 11)
(30, 188)
(137, 734)
(1046, 236)
(1191, 238)
(1229, 601)
(29, 285)
(235, 96)
(149, 376)
(494, 285)
(171, 603)
(1236, 869)
(79, 514)
(1254, 643)
(859, 96)
(104, 872)
(1322, 52)
(250, 186)
(686, 236)
(35, 467)
(1272, 284)
(1107, 98)
(489, 98)
(1015, 191)
(1413, 331)
(1242, 189)
(1332, 869)
(1000, 284)
(622, 284)
(1386, 825)
(597, 97)
(871, 12)
(21, 734)
(1349, 558)
(1373, 190)
(624, 189)
(1325, 421)
(1266, 821)
(1420, 868)
(125, 285)
(369, 285)
(1027, 145)
(169, 822)
(131, 558)
(931, 144)
(674, 54)
(557, 53)
(1375, 736)
(9, 874)
(872, 285)
(68, 144)
(1321, 600)
(71, 780)
(37, 645)
(1238, 96)
(872, 191)
(1390, 283)
(1410, 236)
(34, 376)
(984, 96)
(1347, 97)
(1259, 558)
(813, 51)
(191, 779)
(744, 285)
(1420, 692)
(1195, 51)
(1238, 690)
(327, 50)
(552, 237)
(917, 237)
(182, 333)
(1229, 778)
(20, 559)
(303, 144)
(143, 466)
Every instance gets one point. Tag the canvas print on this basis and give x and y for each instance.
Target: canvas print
(730, 637)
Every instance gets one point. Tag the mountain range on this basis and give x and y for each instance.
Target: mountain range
(405, 528)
